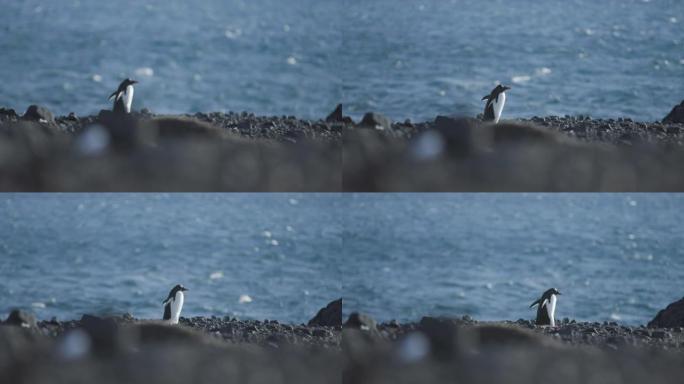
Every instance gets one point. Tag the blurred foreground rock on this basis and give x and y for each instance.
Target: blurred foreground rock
(444, 350)
(200, 350)
(243, 152)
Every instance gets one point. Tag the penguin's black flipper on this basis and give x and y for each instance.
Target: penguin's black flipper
(167, 312)
(484, 98)
(535, 303)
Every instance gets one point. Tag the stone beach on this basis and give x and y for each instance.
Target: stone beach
(199, 350)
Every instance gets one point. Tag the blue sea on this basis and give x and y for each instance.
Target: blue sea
(615, 257)
(405, 59)
(66, 255)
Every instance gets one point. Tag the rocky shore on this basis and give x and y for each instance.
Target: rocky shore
(244, 152)
(198, 350)
(438, 350)
(432, 350)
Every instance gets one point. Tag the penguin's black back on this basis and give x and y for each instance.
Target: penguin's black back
(489, 111)
(167, 312)
(542, 315)
(119, 106)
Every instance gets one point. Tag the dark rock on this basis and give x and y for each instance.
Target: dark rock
(8, 113)
(375, 120)
(336, 115)
(676, 115)
(21, 319)
(670, 317)
(39, 113)
(330, 316)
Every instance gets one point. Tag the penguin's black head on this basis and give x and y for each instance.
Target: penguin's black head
(128, 82)
(178, 287)
(553, 291)
(502, 88)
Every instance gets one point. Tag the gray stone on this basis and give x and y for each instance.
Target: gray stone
(21, 319)
(39, 113)
(375, 120)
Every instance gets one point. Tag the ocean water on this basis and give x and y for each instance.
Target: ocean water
(614, 257)
(65, 255)
(406, 59)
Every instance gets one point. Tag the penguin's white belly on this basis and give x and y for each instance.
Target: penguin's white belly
(128, 99)
(497, 105)
(551, 309)
(176, 307)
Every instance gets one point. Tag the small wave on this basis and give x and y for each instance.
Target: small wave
(144, 72)
(233, 33)
(244, 299)
(292, 60)
(520, 79)
(543, 71)
(216, 275)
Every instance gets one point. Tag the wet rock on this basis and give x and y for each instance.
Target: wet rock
(330, 316)
(670, 317)
(21, 318)
(676, 115)
(39, 113)
(375, 120)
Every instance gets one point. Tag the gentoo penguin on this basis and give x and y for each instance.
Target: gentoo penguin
(495, 103)
(174, 303)
(123, 96)
(547, 307)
